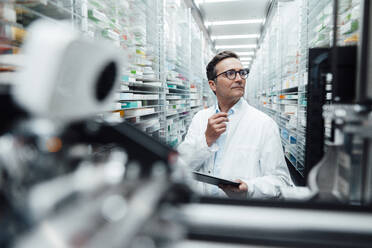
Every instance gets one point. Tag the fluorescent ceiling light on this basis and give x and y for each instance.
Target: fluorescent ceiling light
(236, 46)
(233, 22)
(213, 1)
(245, 59)
(200, 2)
(228, 37)
(245, 53)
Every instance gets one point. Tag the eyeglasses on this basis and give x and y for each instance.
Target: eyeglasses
(231, 74)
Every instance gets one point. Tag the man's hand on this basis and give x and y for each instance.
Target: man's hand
(216, 126)
(236, 192)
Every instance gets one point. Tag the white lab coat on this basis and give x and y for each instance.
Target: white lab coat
(253, 152)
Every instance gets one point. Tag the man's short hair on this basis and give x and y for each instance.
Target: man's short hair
(211, 67)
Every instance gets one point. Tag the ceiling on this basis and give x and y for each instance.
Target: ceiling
(252, 15)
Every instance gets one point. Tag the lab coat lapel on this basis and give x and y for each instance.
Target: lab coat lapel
(232, 130)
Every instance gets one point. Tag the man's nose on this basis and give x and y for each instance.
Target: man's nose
(238, 78)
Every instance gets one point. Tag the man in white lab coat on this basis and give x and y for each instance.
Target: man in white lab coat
(233, 140)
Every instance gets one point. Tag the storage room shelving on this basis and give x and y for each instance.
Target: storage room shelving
(164, 82)
(140, 96)
(197, 69)
(177, 71)
(208, 96)
(277, 83)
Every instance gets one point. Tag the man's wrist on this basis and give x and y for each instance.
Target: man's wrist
(209, 142)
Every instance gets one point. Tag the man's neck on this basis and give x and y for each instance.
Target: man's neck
(225, 106)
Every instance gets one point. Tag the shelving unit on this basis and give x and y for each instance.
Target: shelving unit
(177, 71)
(183, 70)
(160, 88)
(143, 104)
(197, 70)
(277, 83)
(208, 96)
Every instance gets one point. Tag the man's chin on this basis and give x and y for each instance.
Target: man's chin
(239, 94)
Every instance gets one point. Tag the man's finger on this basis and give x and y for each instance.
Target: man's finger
(216, 116)
(220, 125)
(221, 130)
(220, 114)
(242, 185)
(220, 119)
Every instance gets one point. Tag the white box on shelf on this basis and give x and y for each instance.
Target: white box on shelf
(126, 96)
(141, 111)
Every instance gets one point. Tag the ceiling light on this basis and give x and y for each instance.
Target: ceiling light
(236, 46)
(245, 59)
(248, 21)
(213, 1)
(245, 53)
(243, 36)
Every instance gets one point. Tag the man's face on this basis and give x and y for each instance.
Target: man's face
(227, 89)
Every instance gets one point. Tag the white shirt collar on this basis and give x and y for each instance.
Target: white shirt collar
(233, 109)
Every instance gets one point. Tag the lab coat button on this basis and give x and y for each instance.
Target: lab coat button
(209, 172)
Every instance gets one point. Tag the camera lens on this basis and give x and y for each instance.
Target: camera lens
(106, 81)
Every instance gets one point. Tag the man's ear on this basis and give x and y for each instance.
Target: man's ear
(212, 85)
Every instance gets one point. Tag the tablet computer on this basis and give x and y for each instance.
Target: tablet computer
(213, 180)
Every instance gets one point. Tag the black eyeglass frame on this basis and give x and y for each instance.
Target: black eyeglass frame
(240, 73)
